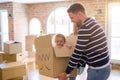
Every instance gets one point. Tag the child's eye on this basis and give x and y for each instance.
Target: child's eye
(62, 41)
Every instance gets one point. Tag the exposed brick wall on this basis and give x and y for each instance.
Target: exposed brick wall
(42, 11)
(20, 23)
(9, 7)
(23, 13)
(17, 21)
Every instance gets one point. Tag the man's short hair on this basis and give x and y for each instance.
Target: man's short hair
(74, 8)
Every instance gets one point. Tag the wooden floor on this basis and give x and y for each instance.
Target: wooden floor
(33, 73)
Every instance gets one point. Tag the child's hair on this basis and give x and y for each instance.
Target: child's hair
(58, 35)
(61, 35)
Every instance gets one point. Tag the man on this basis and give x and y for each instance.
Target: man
(91, 43)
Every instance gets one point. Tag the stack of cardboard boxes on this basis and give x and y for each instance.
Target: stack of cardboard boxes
(12, 52)
(11, 65)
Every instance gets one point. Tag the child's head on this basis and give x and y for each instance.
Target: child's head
(59, 40)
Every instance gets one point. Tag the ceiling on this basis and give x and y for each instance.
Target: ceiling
(30, 1)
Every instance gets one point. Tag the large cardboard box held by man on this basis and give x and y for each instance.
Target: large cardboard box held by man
(51, 61)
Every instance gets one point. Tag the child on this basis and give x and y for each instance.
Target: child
(59, 41)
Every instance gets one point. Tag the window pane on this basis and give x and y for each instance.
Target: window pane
(114, 28)
(3, 28)
(115, 50)
(35, 27)
(59, 23)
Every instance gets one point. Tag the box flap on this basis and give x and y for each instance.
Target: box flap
(11, 42)
(63, 52)
(71, 40)
(43, 42)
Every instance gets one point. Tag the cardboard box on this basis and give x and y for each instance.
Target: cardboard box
(12, 57)
(5, 57)
(50, 62)
(1, 58)
(63, 52)
(29, 42)
(18, 78)
(12, 47)
(12, 70)
(71, 40)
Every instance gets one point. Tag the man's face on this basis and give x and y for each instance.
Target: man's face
(74, 17)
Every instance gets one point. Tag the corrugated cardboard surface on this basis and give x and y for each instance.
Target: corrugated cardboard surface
(63, 51)
(1, 58)
(71, 40)
(18, 78)
(49, 64)
(29, 40)
(12, 47)
(12, 70)
(45, 61)
(11, 57)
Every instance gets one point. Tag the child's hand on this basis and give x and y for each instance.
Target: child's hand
(68, 46)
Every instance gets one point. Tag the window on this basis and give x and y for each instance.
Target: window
(114, 27)
(35, 27)
(3, 28)
(59, 22)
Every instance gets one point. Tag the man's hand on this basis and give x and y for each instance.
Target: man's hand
(62, 76)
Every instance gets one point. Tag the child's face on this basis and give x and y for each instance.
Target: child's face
(59, 42)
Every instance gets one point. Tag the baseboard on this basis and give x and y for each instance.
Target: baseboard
(113, 61)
